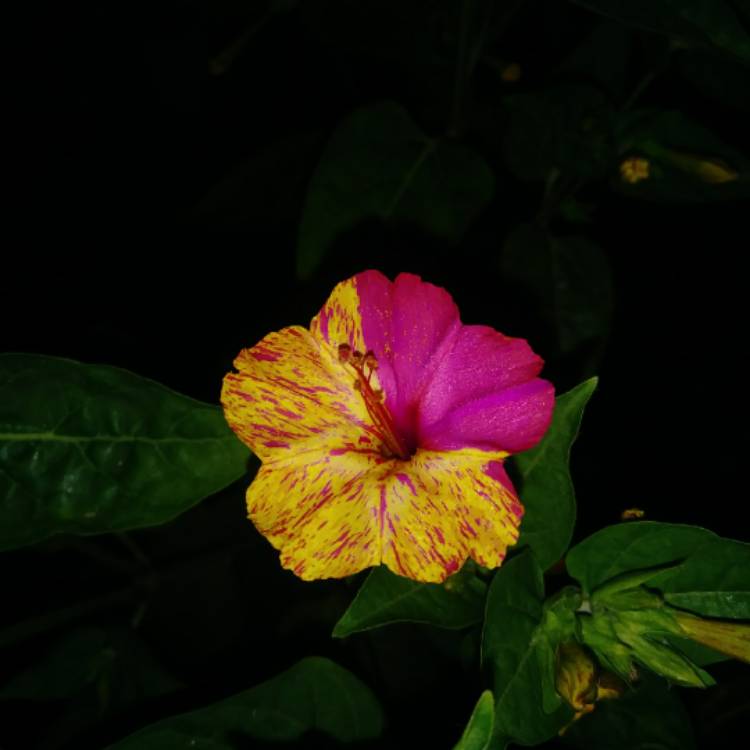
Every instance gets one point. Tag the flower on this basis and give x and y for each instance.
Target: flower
(382, 432)
(634, 169)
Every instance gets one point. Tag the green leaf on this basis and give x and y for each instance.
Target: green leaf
(517, 643)
(564, 129)
(378, 163)
(701, 22)
(716, 77)
(547, 490)
(113, 662)
(315, 694)
(713, 577)
(649, 717)
(687, 162)
(266, 190)
(570, 278)
(478, 732)
(385, 598)
(89, 449)
(603, 56)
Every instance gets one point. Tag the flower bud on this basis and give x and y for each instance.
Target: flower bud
(730, 638)
(575, 676)
(708, 169)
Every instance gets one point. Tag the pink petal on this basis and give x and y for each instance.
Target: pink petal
(410, 326)
(511, 420)
(481, 362)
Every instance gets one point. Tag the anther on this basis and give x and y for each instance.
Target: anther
(370, 360)
(345, 352)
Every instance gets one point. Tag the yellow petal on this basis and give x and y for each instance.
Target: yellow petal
(339, 321)
(441, 507)
(291, 393)
(335, 512)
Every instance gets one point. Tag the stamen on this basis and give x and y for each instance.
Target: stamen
(364, 365)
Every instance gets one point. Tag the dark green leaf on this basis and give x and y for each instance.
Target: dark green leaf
(717, 77)
(686, 161)
(386, 598)
(565, 129)
(89, 449)
(602, 57)
(570, 278)
(650, 717)
(711, 579)
(266, 191)
(703, 22)
(315, 694)
(478, 732)
(547, 490)
(378, 163)
(515, 644)
(114, 662)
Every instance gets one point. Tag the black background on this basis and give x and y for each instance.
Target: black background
(119, 131)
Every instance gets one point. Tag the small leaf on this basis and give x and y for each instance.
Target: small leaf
(315, 694)
(114, 662)
(602, 56)
(700, 22)
(709, 565)
(650, 716)
(478, 732)
(565, 129)
(570, 278)
(547, 490)
(385, 598)
(378, 163)
(515, 644)
(89, 449)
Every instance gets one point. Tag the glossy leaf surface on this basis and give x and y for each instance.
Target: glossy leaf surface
(315, 694)
(88, 449)
(386, 598)
(547, 489)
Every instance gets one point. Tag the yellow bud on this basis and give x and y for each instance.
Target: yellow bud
(730, 638)
(575, 676)
(712, 170)
(716, 172)
(632, 513)
(634, 169)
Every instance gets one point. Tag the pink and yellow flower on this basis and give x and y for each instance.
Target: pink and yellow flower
(382, 432)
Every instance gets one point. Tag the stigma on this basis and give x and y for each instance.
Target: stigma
(364, 365)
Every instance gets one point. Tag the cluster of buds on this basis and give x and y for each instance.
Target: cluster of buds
(628, 624)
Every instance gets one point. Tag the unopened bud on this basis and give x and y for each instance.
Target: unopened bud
(575, 675)
(709, 169)
(730, 638)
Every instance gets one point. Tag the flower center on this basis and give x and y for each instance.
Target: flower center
(364, 365)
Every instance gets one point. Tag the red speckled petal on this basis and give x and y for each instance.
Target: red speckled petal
(318, 509)
(291, 394)
(334, 515)
(442, 508)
